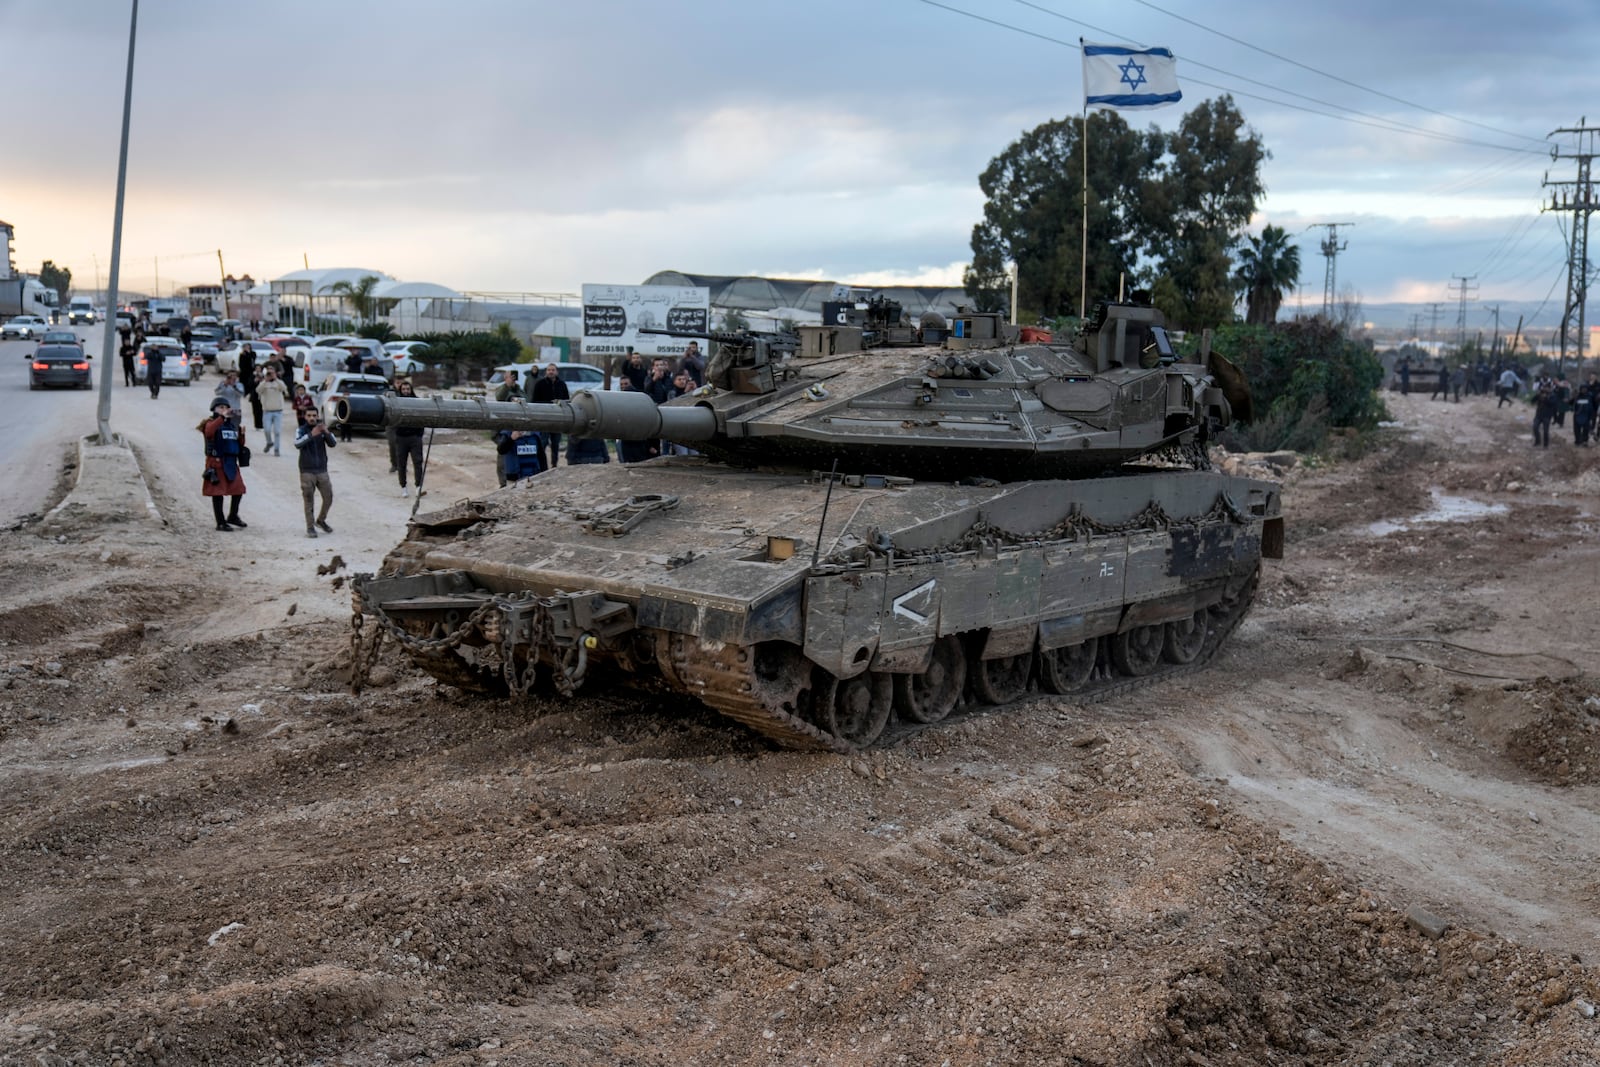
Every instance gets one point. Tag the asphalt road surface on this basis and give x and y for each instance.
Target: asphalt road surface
(39, 430)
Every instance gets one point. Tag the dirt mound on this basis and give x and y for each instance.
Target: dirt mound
(1561, 744)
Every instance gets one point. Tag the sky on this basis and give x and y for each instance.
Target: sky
(536, 145)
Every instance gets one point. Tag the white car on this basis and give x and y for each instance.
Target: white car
(335, 387)
(174, 364)
(228, 354)
(576, 375)
(296, 331)
(24, 327)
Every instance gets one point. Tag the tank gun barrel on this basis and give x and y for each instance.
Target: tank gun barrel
(777, 341)
(625, 416)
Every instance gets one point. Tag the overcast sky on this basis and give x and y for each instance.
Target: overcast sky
(536, 145)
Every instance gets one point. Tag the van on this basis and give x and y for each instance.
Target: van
(80, 310)
(162, 310)
(314, 363)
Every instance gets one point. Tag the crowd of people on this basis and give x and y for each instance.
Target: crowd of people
(525, 453)
(259, 393)
(1553, 396)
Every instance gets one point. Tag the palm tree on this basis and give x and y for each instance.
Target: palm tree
(1268, 268)
(358, 293)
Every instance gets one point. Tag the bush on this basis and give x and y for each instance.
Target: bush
(469, 356)
(1306, 380)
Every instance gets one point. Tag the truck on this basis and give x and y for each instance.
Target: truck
(22, 295)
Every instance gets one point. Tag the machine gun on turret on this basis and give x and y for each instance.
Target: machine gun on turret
(745, 359)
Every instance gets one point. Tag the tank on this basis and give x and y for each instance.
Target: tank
(876, 533)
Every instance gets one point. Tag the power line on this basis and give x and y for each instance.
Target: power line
(1388, 123)
(1337, 78)
(1372, 122)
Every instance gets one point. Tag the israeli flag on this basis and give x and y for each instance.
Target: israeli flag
(1122, 78)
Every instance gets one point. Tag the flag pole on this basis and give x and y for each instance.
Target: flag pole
(1083, 269)
(1083, 262)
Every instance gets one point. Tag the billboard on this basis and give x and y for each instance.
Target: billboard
(613, 314)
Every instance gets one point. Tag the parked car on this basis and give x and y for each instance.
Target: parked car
(24, 327)
(60, 365)
(369, 349)
(335, 387)
(333, 340)
(414, 349)
(576, 375)
(297, 331)
(174, 364)
(284, 341)
(227, 357)
(315, 363)
(205, 320)
(206, 341)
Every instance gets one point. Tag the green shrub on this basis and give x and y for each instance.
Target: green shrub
(1306, 380)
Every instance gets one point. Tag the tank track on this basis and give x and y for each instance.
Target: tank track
(726, 680)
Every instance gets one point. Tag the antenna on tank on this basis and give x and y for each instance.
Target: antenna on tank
(816, 549)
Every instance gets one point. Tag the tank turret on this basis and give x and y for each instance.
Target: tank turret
(1011, 412)
(867, 542)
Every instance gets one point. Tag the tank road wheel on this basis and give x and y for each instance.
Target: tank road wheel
(1063, 670)
(860, 708)
(1137, 651)
(1185, 638)
(931, 695)
(1000, 681)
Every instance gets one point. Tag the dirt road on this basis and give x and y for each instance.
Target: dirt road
(1366, 836)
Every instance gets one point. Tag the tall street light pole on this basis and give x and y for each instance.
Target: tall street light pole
(107, 352)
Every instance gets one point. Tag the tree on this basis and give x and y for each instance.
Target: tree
(1208, 189)
(1269, 266)
(1034, 211)
(57, 278)
(359, 294)
(1160, 207)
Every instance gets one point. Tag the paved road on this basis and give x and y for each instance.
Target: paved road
(38, 431)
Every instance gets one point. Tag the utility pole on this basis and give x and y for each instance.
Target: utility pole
(1331, 247)
(104, 409)
(1416, 324)
(223, 271)
(1433, 326)
(1576, 197)
(1461, 316)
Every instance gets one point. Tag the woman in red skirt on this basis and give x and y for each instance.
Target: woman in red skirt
(222, 477)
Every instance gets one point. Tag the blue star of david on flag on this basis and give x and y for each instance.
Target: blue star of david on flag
(1132, 75)
(1122, 78)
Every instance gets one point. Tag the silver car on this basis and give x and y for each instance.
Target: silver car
(24, 327)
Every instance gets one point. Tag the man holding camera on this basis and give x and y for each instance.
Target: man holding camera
(312, 441)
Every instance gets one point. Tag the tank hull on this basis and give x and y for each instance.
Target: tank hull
(825, 613)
